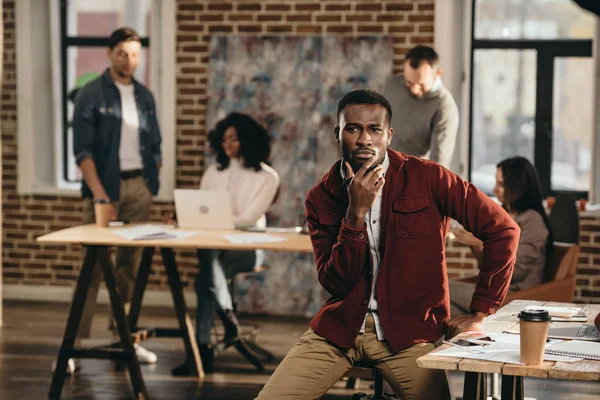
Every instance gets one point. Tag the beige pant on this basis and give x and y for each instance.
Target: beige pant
(314, 365)
(133, 206)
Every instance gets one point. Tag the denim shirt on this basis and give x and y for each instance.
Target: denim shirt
(97, 133)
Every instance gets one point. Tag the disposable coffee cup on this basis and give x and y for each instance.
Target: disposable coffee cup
(103, 210)
(533, 327)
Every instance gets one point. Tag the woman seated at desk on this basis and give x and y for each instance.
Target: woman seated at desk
(518, 189)
(242, 147)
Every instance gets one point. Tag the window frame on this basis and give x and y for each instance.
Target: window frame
(547, 51)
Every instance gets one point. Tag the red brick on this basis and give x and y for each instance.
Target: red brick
(220, 6)
(279, 28)
(420, 18)
(425, 7)
(249, 28)
(248, 7)
(191, 28)
(399, 6)
(369, 7)
(211, 17)
(309, 29)
(187, 38)
(370, 29)
(185, 17)
(220, 29)
(425, 28)
(191, 7)
(339, 29)
(269, 17)
(279, 7)
(421, 39)
(240, 17)
(329, 18)
(390, 18)
(402, 29)
(316, 6)
(298, 17)
(338, 7)
(359, 17)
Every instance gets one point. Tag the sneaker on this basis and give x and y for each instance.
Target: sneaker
(144, 356)
(70, 366)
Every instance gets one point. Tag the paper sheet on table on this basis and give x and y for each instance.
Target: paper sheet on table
(253, 238)
(149, 232)
(499, 352)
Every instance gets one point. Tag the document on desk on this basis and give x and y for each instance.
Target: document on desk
(152, 232)
(253, 238)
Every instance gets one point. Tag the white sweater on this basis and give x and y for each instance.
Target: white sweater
(252, 191)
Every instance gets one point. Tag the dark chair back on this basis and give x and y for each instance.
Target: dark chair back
(564, 219)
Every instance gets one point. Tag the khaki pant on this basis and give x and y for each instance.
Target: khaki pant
(314, 365)
(133, 206)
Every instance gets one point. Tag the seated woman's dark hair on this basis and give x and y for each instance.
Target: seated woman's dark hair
(522, 189)
(255, 142)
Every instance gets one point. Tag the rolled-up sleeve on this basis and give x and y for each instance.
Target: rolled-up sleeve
(84, 128)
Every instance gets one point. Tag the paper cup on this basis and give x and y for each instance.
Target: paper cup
(533, 327)
(103, 213)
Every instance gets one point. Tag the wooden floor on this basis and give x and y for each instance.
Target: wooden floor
(32, 332)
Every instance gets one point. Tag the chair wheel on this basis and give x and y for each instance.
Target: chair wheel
(358, 396)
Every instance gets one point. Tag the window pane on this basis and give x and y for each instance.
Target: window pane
(572, 124)
(100, 18)
(532, 19)
(504, 85)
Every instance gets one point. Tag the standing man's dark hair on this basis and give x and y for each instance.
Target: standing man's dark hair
(117, 146)
(123, 35)
(416, 56)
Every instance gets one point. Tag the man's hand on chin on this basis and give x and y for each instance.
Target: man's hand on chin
(463, 323)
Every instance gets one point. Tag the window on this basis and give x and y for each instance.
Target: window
(85, 26)
(531, 91)
(54, 57)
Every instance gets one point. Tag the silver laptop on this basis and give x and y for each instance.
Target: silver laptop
(204, 209)
(575, 331)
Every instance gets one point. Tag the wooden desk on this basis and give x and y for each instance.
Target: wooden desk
(512, 374)
(97, 241)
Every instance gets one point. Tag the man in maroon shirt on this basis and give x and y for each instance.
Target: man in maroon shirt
(378, 222)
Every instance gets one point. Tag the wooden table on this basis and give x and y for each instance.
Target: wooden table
(475, 387)
(97, 242)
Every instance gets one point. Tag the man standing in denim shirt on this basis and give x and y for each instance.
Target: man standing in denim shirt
(116, 141)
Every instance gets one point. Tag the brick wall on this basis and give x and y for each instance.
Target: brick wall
(26, 217)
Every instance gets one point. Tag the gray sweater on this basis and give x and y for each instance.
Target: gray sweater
(531, 254)
(424, 127)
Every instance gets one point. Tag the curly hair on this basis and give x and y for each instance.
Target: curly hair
(255, 141)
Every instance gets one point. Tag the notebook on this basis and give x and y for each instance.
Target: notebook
(576, 348)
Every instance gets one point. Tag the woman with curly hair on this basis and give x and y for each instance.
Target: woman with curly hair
(242, 148)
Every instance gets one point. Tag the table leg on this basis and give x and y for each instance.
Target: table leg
(512, 388)
(140, 286)
(185, 323)
(475, 386)
(135, 373)
(75, 313)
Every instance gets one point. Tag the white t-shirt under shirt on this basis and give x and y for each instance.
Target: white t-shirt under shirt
(129, 149)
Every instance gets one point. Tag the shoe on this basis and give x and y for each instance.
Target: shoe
(70, 366)
(207, 356)
(144, 356)
(231, 325)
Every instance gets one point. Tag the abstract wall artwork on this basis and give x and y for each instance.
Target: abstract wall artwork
(292, 86)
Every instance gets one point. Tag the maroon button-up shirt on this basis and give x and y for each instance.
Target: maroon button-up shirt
(419, 199)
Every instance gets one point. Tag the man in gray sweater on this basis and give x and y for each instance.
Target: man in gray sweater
(425, 111)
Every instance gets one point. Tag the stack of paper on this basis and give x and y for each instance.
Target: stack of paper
(152, 232)
(253, 238)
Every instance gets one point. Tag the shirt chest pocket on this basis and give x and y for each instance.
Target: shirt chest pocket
(411, 217)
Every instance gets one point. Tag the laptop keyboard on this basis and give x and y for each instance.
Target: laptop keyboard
(589, 331)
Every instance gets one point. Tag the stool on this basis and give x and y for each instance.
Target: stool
(360, 370)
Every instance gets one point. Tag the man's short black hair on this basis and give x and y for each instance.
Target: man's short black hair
(364, 96)
(123, 35)
(420, 54)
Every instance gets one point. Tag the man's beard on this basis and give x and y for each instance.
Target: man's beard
(357, 165)
(123, 74)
